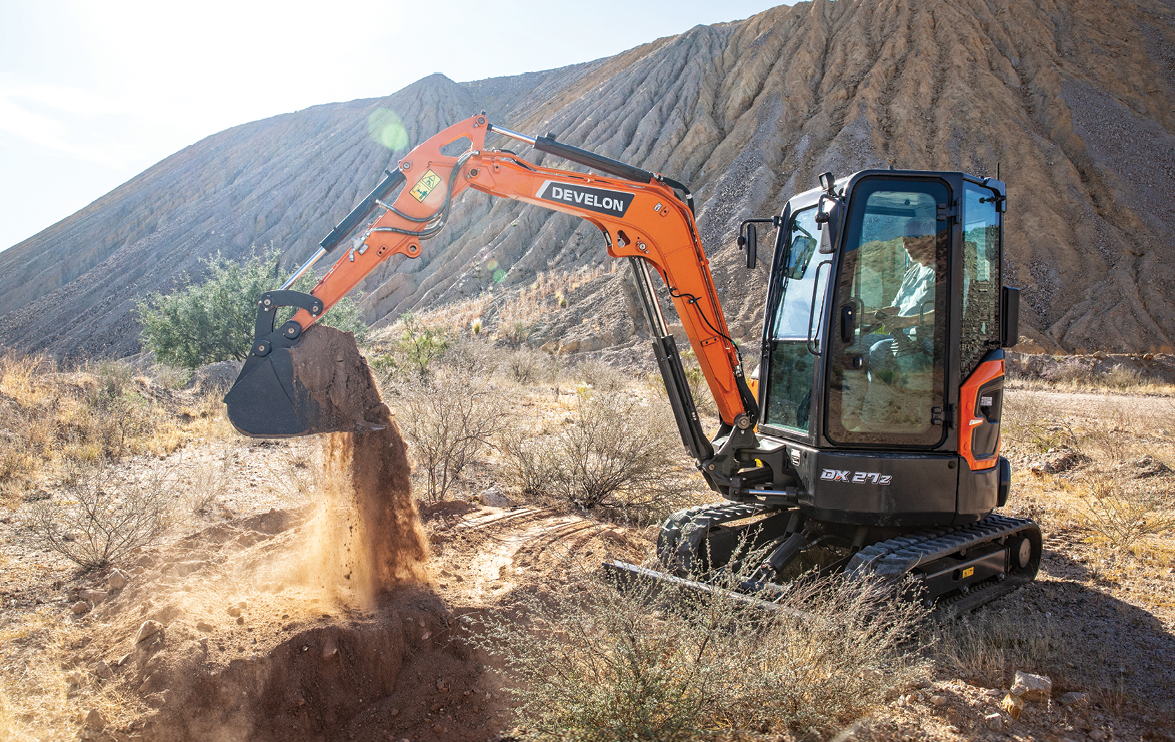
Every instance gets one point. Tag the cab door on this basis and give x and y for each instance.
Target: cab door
(887, 348)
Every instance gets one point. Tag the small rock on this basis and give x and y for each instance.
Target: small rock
(94, 720)
(441, 685)
(613, 534)
(240, 620)
(1032, 687)
(80, 607)
(1097, 735)
(234, 611)
(939, 701)
(102, 670)
(1075, 700)
(147, 630)
(123, 660)
(395, 712)
(117, 580)
(204, 626)
(136, 571)
(994, 722)
(74, 678)
(438, 729)
(93, 597)
(156, 700)
(496, 499)
(1012, 705)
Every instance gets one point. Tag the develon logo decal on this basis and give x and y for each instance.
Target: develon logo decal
(854, 477)
(612, 203)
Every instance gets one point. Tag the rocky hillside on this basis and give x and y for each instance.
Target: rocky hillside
(1075, 100)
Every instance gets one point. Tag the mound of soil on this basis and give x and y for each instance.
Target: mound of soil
(231, 634)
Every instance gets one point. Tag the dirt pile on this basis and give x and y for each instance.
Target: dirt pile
(218, 637)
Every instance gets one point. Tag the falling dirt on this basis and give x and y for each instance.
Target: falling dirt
(369, 535)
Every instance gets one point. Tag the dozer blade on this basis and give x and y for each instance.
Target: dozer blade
(319, 384)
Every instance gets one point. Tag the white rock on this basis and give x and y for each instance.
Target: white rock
(117, 580)
(994, 722)
(496, 499)
(1032, 687)
(147, 630)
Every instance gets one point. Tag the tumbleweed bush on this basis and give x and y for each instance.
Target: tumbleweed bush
(103, 518)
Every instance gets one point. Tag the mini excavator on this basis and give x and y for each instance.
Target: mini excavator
(867, 441)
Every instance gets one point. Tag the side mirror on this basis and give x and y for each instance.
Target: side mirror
(1010, 317)
(826, 247)
(752, 246)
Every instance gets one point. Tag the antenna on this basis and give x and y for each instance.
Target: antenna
(997, 169)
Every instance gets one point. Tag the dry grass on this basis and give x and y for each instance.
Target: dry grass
(612, 450)
(448, 421)
(592, 659)
(51, 421)
(990, 646)
(1125, 512)
(1117, 491)
(43, 696)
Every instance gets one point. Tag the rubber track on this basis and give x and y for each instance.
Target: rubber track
(897, 556)
(693, 523)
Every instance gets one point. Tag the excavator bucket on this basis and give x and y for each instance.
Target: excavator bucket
(318, 384)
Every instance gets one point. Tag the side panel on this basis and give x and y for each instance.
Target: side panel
(878, 489)
(979, 493)
(980, 405)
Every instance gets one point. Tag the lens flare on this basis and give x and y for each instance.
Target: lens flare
(386, 128)
(492, 266)
(499, 275)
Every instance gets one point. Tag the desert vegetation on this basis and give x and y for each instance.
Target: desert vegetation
(565, 461)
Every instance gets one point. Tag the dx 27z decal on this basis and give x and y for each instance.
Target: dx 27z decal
(854, 477)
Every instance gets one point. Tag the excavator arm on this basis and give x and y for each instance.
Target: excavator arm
(643, 216)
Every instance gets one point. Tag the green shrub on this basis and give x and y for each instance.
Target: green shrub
(213, 320)
(412, 354)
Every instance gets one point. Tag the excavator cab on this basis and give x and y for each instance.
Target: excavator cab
(880, 389)
(882, 370)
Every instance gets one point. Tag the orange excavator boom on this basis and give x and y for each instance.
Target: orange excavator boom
(644, 217)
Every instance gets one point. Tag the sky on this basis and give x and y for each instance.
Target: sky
(93, 93)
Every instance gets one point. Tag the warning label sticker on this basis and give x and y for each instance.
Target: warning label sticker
(425, 185)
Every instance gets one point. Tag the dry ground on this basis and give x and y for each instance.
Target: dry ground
(255, 644)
